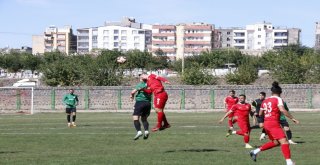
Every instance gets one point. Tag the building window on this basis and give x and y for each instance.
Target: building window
(259, 36)
(123, 44)
(115, 31)
(123, 38)
(136, 45)
(134, 32)
(115, 37)
(105, 38)
(123, 32)
(94, 38)
(141, 32)
(115, 44)
(136, 38)
(105, 32)
(228, 45)
(105, 44)
(228, 33)
(259, 43)
(259, 29)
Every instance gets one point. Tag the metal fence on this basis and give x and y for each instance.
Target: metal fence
(180, 97)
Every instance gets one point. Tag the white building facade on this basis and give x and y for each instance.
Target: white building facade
(125, 35)
(260, 36)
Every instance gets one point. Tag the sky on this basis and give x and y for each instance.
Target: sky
(20, 19)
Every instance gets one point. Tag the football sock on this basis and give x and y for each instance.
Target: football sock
(256, 151)
(285, 151)
(160, 119)
(289, 162)
(68, 118)
(145, 125)
(74, 118)
(230, 123)
(246, 138)
(289, 134)
(165, 119)
(263, 130)
(238, 133)
(267, 146)
(137, 125)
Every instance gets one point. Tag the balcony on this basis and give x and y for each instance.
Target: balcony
(166, 50)
(198, 50)
(163, 42)
(167, 27)
(163, 34)
(197, 42)
(197, 34)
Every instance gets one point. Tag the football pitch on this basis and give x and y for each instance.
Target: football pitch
(107, 138)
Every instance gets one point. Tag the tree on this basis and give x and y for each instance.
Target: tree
(246, 74)
(197, 75)
(31, 62)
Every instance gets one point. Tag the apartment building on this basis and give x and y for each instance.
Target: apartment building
(124, 35)
(258, 37)
(179, 41)
(55, 39)
(317, 39)
(164, 39)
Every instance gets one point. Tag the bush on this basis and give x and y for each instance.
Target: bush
(197, 75)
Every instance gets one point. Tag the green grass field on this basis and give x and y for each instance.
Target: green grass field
(106, 138)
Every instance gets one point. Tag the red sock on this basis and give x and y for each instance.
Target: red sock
(230, 122)
(240, 133)
(286, 151)
(165, 119)
(267, 146)
(246, 138)
(160, 119)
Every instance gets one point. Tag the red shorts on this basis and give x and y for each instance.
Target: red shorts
(274, 130)
(160, 99)
(244, 126)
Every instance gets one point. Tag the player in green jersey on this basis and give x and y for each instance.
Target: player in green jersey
(71, 101)
(142, 108)
(285, 125)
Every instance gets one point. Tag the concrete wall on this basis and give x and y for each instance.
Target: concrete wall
(180, 97)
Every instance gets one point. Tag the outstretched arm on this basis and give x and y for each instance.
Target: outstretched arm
(221, 120)
(287, 114)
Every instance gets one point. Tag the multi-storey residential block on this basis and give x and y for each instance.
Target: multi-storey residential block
(178, 41)
(125, 35)
(164, 39)
(317, 42)
(258, 37)
(55, 39)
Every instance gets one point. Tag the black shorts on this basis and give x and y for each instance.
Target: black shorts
(284, 123)
(70, 110)
(260, 119)
(142, 108)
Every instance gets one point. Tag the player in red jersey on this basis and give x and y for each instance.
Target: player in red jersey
(241, 112)
(229, 101)
(155, 86)
(271, 108)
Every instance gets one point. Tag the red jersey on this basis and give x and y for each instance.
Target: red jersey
(241, 111)
(230, 101)
(155, 83)
(270, 106)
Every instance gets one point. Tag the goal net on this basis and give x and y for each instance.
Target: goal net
(16, 100)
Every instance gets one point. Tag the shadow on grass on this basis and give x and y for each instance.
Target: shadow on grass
(197, 150)
(10, 152)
